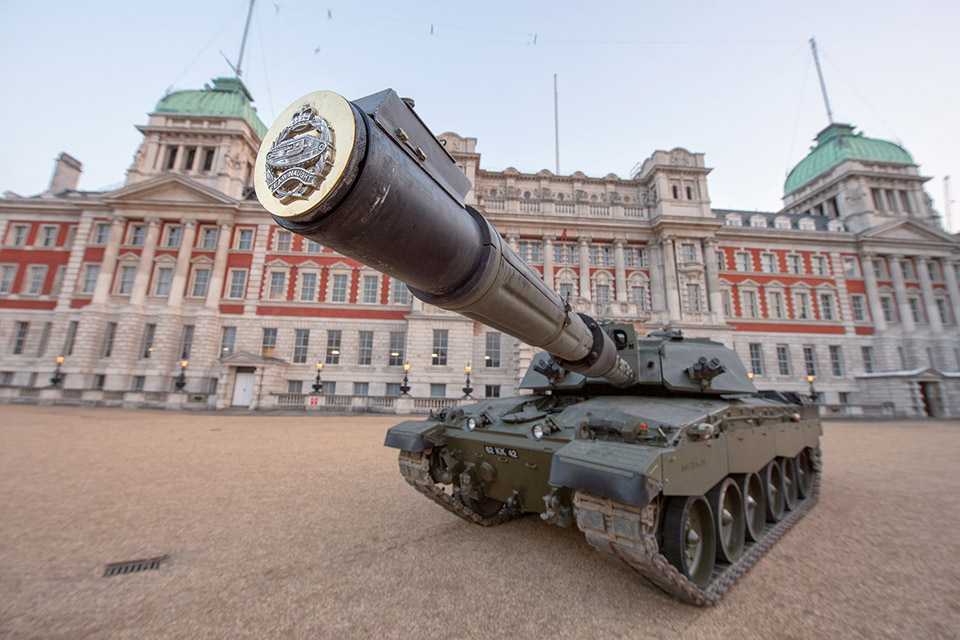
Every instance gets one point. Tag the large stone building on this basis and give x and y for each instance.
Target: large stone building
(853, 282)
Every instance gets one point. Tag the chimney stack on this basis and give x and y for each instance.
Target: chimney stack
(66, 174)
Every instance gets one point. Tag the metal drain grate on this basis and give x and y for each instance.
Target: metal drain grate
(133, 566)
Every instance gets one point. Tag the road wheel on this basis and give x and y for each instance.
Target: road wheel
(790, 495)
(772, 476)
(689, 538)
(754, 505)
(726, 503)
(804, 473)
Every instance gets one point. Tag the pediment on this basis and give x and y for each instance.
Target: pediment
(278, 263)
(906, 230)
(308, 264)
(166, 259)
(247, 359)
(169, 188)
(201, 259)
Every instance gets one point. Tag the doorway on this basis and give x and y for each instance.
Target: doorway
(932, 401)
(243, 386)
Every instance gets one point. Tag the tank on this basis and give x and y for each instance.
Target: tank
(657, 447)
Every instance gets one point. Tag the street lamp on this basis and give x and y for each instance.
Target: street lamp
(467, 390)
(750, 374)
(181, 379)
(405, 388)
(57, 376)
(813, 392)
(318, 386)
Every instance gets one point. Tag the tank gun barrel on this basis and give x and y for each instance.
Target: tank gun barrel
(368, 179)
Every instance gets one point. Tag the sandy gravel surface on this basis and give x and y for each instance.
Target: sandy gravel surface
(301, 527)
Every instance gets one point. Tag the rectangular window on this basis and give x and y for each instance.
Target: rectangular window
(892, 200)
(594, 256)
(308, 287)
(783, 359)
(329, 388)
(558, 255)
(284, 241)
(802, 310)
(491, 391)
(810, 360)
(820, 265)
(278, 286)
(365, 347)
(721, 260)
(438, 390)
(850, 268)
(268, 343)
(164, 279)
(146, 345)
(943, 311)
(794, 265)
(191, 156)
(693, 298)
(868, 363)
(294, 386)
(398, 345)
(393, 389)
(8, 273)
(915, 310)
(603, 293)
(208, 160)
(845, 397)
(186, 341)
(101, 234)
(245, 240)
(750, 304)
(688, 252)
(769, 263)
(137, 233)
(125, 283)
(826, 306)
(756, 358)
(535, 253)
(906, 267)
(361, 388)
(208, 239)
(314, 247)
(776, 304)
(70, 337)
(859, 313)
(905, 201)
(137, 384)
(35, 278)
(44, 338)
(339, 291)
(491, 356)
(370, 289)
(201, 277)
(300, 344)
(19, 337)
(173, 236)
(743, 261)
(638, 294)
(48, 236)
(238, 283)
(565, 289)
(228, 339)
(903, 357)
(836, 360)
(108, 337)
(333, 347)
(439, 353)
(886, 304)
(7, 378)
(401, 295)
(933, 271)
(99, 380)
(879, 269)
(20, 235)
(58, 280)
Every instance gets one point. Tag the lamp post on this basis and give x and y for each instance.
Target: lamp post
(181, 379)
(813, 392)
(467, 390)
(750, 374)
(405, 388)
(57, 376)
(317, 385)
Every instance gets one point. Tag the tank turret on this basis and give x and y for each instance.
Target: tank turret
(658, 448)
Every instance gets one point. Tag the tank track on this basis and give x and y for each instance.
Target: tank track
(415, 468)
(628, 535)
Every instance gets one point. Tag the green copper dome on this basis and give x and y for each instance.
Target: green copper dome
(228, 97)
(838, 143)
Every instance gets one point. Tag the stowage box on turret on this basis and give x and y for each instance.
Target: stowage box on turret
(658, 448)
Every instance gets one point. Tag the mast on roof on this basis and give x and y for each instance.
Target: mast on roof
(823, 86)
(243, 42)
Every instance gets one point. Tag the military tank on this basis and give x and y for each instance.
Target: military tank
(658, 447)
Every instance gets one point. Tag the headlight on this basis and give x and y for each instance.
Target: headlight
(537, 431)
(471, 424)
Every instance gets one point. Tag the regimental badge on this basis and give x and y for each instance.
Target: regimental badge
(300, 157)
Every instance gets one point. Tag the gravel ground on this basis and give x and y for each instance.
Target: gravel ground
(301, 527)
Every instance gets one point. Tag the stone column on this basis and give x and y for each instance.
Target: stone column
(179, 282)
(548, 260)
(713, 278)
(142, 280)
(583, 244)
(873, 294)
(950, 276)
(513, 240)
(215, 288)
(933, 314)
(900, 291)
(671, 293)
(620, 269)
(655, 264)
(109, 262)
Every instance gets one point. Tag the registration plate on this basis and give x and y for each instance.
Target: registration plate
(502, 452)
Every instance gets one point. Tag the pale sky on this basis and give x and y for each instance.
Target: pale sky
(733, 80)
